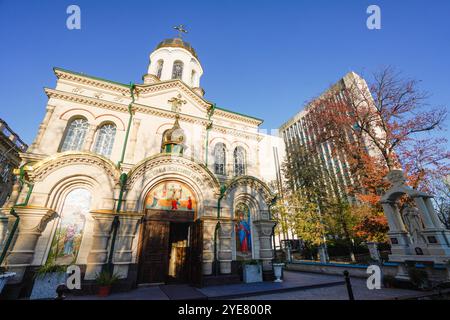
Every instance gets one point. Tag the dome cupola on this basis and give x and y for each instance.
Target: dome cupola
(177, 43)
(173, 59)
(173, 139)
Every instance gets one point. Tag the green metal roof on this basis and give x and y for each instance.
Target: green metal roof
(240, 114)
(92, 77)
(125, 85)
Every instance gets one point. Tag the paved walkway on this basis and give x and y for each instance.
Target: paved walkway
(296, 285)
(360, 292)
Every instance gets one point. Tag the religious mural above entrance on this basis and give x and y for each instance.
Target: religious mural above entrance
(243, 232)
(67, 239)
(171, 195)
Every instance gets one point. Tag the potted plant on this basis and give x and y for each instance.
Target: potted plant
(105, 280)
(4, 277)
(418, 277)
(47, 278)
(278, 270)
(252, 271)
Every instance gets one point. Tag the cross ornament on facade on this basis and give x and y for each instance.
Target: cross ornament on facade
(181, 30)
(176, 102)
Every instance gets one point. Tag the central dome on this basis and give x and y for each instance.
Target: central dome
(177, 43)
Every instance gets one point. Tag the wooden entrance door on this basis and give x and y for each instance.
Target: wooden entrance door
(196, 253)
(154, 252)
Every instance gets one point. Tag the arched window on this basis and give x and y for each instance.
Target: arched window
(219, 159)
(159, 68)
(75, 135)
(105, 139)
(66, 242)
(177, 70)
(239, 161)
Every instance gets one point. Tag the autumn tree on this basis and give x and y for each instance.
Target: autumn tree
(314, 184)
(380, 129)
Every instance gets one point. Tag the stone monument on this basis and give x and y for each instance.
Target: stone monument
(416, 233)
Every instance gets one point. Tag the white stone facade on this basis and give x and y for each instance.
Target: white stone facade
(136, 151)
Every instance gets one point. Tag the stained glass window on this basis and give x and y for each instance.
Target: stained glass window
(75, 135)
(239, 161)
(219, 159)
(105, 140)
(177, 70)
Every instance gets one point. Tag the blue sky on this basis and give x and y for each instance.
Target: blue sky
(262, 58)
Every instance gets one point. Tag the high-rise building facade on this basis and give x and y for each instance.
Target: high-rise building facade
(300, 134)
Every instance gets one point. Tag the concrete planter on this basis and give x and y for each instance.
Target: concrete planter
(4, 278)
(278, 271)
(45, 286)
(252, 273)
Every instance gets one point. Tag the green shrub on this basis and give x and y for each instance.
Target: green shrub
(250, 262)
(106, 278)
(418, 277)
(389, 281)
(50, 268)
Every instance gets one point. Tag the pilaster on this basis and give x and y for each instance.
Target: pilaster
(43, 126)
(98, 254)
(225, 246)
(264, 229)
(32, 223)
(209, 226)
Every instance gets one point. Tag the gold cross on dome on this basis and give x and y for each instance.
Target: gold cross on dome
(181, 30)
(176, 102)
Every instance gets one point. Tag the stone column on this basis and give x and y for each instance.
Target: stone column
(393, 216)
(400, 241)
(123, 250)
(89, 137)
(209, 227)
(437, 223)
(373, 250)
(133, 140)
(44, 124)
(397, 232)
(33, 221)
(424, 212)
(225, 246)
(264, 229)
(98, 254)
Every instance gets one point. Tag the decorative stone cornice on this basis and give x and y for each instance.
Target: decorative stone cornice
(160, 160)
(172, 84)
(52, 93)
(236, 117)
(34, 218)
(265, 228)
(42, 168)
(125, 214)
(254, 183)
(90, 81)
(142, 89)
(66, 96)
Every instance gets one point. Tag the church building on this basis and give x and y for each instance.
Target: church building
(152, 179)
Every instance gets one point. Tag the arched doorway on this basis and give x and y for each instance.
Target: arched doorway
(169, 236)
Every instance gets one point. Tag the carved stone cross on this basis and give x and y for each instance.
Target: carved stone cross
(176, 102)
